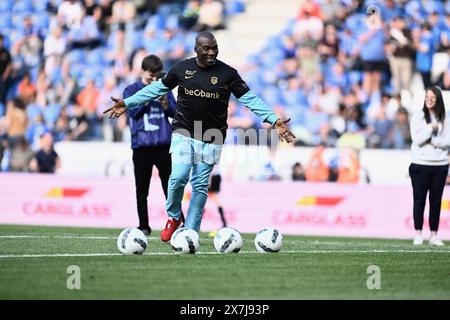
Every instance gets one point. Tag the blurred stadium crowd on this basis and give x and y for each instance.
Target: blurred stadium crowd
(62, 60)
(345, 80)
(342, 80)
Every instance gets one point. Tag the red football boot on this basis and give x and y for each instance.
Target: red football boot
(171, 225)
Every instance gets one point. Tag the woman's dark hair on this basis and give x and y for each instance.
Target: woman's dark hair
(439, 108)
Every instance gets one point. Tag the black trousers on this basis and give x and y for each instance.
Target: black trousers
(426, 179)
(144, 159)
(4, 85)
(426, 79)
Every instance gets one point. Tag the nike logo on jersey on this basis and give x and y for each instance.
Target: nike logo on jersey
(189, 74)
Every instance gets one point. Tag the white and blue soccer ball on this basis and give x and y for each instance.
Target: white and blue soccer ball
(228, 240)
(268, 240)
(185, 240)
(132, 241)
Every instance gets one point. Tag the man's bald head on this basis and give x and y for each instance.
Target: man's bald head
(204, 35)
(206, 49)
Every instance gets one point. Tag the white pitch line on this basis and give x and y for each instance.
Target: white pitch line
(215, 253)
(56, 237)
(58, 255)
(203, 239)
(63, 237)
(59, 236)
(14, 236)
(368, 251)
(74, 237)
(51, 255)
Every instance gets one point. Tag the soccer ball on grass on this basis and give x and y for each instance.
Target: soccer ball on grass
(185, 240)
(228, 240)
(132, 241)
(268, 240)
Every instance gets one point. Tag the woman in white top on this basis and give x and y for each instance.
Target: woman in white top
(430, 132)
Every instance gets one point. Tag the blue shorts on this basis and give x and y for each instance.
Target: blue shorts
(186, 150)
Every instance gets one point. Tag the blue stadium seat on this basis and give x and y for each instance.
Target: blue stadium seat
(172, 22)
(95, 57)
(271, 58)
(99, 81)
(368, 3)
(90, 73)
(297, 115)
(98, 71)
(5, 23)
(234, 7)
(273, 43)
(189, 39)
(6, 5)
(76, 70)
(155, 23)
(314, 120)
(77, 56)
(33, 110)
(34, 132)
(40, 5)
(41, 21)
(256, 87)
(268, 77)
(14, 35)
(23, 6)
(155, 44)
(292, 98)
(138, 39)
(51, 114)
(254, 79)
(355, 77)
(272, 96)
(164, 10)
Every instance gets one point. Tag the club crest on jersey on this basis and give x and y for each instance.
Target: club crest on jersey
(214, 80)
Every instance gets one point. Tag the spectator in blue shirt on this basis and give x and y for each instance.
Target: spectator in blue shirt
(150, 137)
(419, 10)
(424, 55)
(390, 10)
(436, 24)
(372, 54)
(445, 34)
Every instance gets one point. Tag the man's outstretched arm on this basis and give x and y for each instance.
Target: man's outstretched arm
(262, 110)
(148, 93)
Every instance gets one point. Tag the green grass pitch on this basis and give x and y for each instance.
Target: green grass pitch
(34, 262)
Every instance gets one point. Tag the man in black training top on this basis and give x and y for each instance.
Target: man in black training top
(199, 125)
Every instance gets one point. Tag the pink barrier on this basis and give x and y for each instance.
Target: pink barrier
(293, 208)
